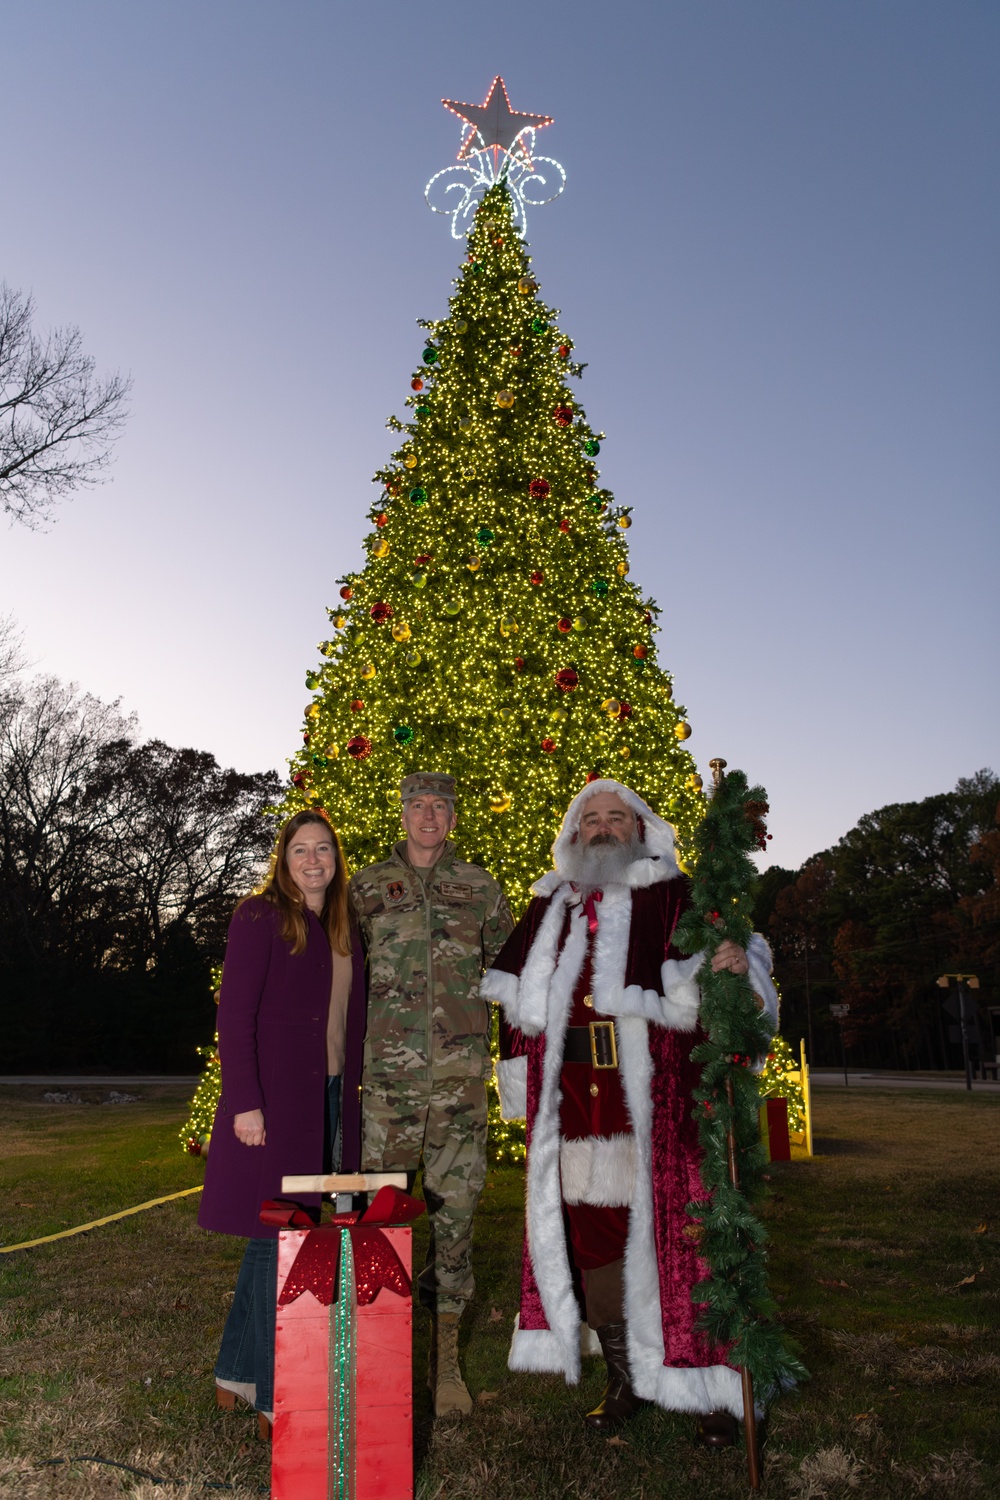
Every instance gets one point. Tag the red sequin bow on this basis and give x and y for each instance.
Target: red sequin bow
(376, 1264)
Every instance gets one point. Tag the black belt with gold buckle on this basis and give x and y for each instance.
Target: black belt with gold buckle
(594, 1044)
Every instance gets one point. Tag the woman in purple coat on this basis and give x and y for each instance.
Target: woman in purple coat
(288, 1040)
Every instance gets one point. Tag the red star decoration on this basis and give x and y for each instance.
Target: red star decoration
(495, 122)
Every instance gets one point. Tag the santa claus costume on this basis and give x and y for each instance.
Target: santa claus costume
(600, 1015)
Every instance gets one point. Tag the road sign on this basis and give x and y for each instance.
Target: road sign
(840, 1011)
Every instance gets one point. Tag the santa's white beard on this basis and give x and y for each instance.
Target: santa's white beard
(602, 862)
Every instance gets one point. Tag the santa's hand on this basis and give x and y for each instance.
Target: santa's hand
(249, 1127)
(729, 956)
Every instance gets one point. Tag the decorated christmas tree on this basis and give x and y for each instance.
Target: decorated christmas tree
(492, 631)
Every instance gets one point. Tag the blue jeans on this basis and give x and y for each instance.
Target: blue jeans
(246, 1353)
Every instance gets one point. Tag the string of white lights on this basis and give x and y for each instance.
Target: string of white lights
(482, 169)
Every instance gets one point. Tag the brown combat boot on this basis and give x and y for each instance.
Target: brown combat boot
(620, 1402)
(448, 1389)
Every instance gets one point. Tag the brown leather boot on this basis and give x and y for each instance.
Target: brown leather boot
(448, 1389)
(717, 1429)
(620, 1402)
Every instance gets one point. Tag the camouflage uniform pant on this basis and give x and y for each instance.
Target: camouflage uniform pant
(441, 1122)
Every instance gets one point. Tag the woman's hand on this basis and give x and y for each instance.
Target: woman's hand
(249, 1127)
(729, 956)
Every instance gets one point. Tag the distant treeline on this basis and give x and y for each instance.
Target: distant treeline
(911, 893)
(120, 865)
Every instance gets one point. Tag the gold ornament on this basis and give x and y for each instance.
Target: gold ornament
(505, 400)
(474, 564)
(526, 286)
(312, 712)
(682, 730)
(380, 548)
(464, 423)
(413, 658)
(332, 751)
(624, 752)
(500, 802)
(506, 714)
(393, 795)
(558, 716)
(508, 625)
(410, 461)
(625, 522)
(611, 707)
(368, 672)
(468, 473)
(695, 782)
(339, 621)
(579, 624)
(621, 569)
(460, 325)
(401, 631)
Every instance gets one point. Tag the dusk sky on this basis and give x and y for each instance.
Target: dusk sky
(777, 251)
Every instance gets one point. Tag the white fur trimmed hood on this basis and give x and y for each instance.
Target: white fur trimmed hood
(659, 863)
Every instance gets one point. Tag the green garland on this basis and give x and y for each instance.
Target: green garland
(739, 1311)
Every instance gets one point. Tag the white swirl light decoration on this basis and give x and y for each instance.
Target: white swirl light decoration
(457, 190)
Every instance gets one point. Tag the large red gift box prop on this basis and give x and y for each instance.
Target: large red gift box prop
(774, 1129)
(343, 1396)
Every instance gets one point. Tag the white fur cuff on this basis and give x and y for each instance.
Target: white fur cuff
(512, 1086)
(536, 1349)
(499, 986)
(759, 959)
(682, 996)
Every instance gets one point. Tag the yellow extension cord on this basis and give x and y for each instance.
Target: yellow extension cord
(64, 1234)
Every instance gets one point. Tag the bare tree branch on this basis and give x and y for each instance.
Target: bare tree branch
(58, 420)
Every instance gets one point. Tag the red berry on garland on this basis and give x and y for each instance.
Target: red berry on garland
(538, 489)
(357, 705)
(625, 712)
(564, 626)
(563, 351)
(640, 652)
(381, 518)
(567, 679)
(360, 747)
(416, 383)
(381, 612)
(563, 416)
(564, 526)
(548, 746)
(537, 577)
(347, 592)
(518, 663)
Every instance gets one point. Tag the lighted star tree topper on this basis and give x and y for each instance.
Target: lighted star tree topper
(498, 145)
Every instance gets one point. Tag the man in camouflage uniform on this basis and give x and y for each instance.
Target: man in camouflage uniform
(431, 925)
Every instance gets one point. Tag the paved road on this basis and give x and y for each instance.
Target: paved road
(900, 1080)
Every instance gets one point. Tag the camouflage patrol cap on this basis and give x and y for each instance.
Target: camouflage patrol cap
(427, 784)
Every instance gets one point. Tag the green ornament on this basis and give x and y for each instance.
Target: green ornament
(418, 495)
(403, 734)
(413, 658)
(460, 325)
(600, 587)
(321, 761)
(423, 411)
(312, 681)
(539, 325)
(464, 423)
(431, 355)
(639, 664)
(419, 580)
(595, 505)
(592, 447)
(453, 607)
(579, 624)
(484, 536)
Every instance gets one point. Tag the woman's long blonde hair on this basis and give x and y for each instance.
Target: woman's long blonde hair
(281, 891)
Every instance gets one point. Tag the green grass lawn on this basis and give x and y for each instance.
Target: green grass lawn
(884, 1261)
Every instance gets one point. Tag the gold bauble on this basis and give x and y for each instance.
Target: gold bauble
(500, 803)
(621, 569)
(380, 548)
(460, 325)
(413, 658)
(468, 474)
(339, 621)
(505, 400)
(410, 461)
(368, 672)
(625, 522)
(393, 796)
(624, 752)
(312, 712)
(611, 707)
(506, 714)
(682, 730)
(464, 423)
(526, 286)
(695, 782)
(401, 631)
(579, 624)
(508, 625)
(332, 751)
(558, 716)
(474, 564)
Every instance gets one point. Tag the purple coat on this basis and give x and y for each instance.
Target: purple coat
(272, 1042)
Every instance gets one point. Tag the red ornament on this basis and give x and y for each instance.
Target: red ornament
(394, 486)
(548, 746)
(564, 526)
(299, 780)
(422, 560)
(640, 652)
(564, 626)
(563, 416)
(360, 747)
(563, 351)
(647, 618)
(357, 705)
(306, 737)
(593, 776)
(625, 712)
(515, 349)
(347, 592)
(193, 1147)
(567, 679)
(536, 578)
(518, 663)
(381, 612)
(416, 383)
(381, 518)
(538, 489)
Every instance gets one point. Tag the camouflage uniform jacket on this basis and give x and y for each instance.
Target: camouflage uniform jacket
(429, 935)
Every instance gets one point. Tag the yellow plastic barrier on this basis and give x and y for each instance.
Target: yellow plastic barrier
(64, 1234)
